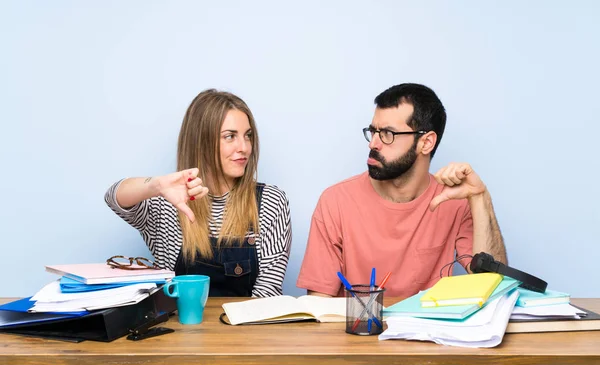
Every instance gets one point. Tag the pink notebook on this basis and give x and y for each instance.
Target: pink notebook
(104, 274)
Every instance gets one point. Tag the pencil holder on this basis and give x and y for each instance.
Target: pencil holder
(364, 310)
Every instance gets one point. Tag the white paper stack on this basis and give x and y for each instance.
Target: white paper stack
(51, 299)
(555, 311)
(485, 328)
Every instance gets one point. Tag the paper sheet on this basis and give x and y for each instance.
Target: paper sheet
(51, 299)
(547, 311)
(484, 328)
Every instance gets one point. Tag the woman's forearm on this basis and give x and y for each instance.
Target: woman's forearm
(137, 189)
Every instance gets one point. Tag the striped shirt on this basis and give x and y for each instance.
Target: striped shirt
(158, 223)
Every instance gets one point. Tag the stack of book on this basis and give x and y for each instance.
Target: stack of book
(82, 290)
(466, 311)
(549, 312)
(86, 287)
(477, 310)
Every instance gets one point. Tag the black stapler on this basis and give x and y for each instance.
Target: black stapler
(145, 331)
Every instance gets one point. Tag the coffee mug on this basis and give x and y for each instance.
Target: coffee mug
(191, 292)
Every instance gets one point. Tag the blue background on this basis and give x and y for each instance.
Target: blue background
(94, 91)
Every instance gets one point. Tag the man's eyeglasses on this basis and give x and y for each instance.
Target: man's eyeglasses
(126, 263)
(386, 135)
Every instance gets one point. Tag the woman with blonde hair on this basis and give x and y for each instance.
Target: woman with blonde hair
(211, 217)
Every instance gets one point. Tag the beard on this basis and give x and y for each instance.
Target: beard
(394, 169)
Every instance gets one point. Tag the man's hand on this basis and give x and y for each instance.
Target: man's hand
(460, 182)
(180, 187)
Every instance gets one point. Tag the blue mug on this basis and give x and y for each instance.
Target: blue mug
(191, 292)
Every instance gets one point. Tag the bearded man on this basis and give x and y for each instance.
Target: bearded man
(397, 217)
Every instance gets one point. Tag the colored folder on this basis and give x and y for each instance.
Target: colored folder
(411, 307)
(528, 298)
(461, 290)
(16, 314)
(68, 285)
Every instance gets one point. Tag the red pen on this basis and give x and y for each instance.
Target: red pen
(370, 302)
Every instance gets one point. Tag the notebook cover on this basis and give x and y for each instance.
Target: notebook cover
(528, 298)
(474, 288)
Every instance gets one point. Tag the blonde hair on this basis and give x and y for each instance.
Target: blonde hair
(199, 146)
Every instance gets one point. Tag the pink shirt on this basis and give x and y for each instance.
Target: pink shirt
(353, 229)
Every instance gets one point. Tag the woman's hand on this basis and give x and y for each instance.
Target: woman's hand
(180, 187)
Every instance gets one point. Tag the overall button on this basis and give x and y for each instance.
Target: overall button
(251, 240)
(237, 268)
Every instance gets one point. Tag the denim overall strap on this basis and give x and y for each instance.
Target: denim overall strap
(233, 270)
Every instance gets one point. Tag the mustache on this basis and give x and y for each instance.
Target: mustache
(376, 156)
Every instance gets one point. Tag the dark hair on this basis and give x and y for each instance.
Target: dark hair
(429, 113)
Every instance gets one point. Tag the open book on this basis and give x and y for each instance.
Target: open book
(285, 308)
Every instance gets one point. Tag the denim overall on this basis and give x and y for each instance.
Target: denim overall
(232, 270)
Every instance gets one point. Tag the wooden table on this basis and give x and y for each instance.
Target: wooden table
(309, 343)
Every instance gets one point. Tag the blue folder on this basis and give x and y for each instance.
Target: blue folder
(68, 285)
(16, 313)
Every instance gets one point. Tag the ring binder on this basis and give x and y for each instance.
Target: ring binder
(104, 325)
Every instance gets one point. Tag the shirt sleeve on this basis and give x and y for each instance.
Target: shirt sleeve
(464, 238)
(323, 256)
(136, 216)
(276, 240)
(153, 218)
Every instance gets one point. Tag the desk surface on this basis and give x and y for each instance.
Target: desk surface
(327, 343)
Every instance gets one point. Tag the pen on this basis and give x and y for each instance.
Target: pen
(373, 279)
(365, 308)
(372, 287)
(370, 302)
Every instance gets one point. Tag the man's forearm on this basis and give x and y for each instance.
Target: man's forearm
(486, 232)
